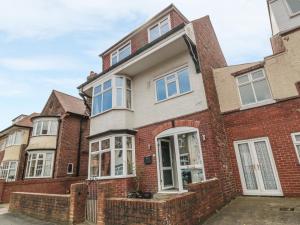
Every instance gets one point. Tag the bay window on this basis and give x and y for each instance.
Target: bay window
(173, 84)
(113, 93)
(45, 127)
(14, 138)
(39, 164)
(8, 170)
(253, 88)
(112, 157)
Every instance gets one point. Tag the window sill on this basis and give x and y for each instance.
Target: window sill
(175, 96)
(267, 102)
(109, 110)
(111, 178)
(43, 135)
(28, 178)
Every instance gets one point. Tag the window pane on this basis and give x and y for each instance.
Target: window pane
(128, 83)
(298, 149)
(189, 149)
(161, 90)
(39, 167)
(184, 82)
(32, 168)
(262, 90)
(247, 94)
(107, 100)
(172, 89)
(118, 142)
(191, 176)
(243, 79)
(95, 147)
(164, 26)
(39, 127)
(294, 5)
(129, 162)
(94, 165)
(257, 74)
(97, 104)
(168, 178)
(114, 59)
(128, 99)
(53, 127)
(118, 162)
(105, 144)
(18, 139)
(124, 52)
(45, 127)
(297, 138)
(105, 164)
(107, 85)
(129, 142)
(97, 90)
(154, 33)
(119, 96)
(119, 81)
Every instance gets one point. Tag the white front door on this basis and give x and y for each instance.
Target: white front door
(166, 162)
(257, 167)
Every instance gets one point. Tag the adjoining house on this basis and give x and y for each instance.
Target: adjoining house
(49, 149)
(13, 141)
(155, 115)
(260, 104)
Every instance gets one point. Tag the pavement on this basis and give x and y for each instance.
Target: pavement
(258, 211)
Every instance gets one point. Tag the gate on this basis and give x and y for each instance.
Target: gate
(91, 202)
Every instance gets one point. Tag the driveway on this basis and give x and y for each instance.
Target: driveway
(258, 211)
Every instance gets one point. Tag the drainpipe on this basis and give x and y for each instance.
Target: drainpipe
(79, 148)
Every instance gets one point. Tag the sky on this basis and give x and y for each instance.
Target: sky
(46, 45)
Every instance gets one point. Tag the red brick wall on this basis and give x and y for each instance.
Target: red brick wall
(141, 38)
(189, 208)
(277, 122)
(51, 186)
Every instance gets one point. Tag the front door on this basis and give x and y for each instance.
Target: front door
(166, 162)
(257, 167)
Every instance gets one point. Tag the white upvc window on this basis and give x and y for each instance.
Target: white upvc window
(2, 144)
(293, 6)
(39, 164)
(173, 84)
(113, 93)
(296, 141)
(254, 88)
(14, 138)
(45, 126)
(159, 29)
(8, 170)
(112, 157)
(120, 54)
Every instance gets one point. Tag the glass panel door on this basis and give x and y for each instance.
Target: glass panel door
(166, 165)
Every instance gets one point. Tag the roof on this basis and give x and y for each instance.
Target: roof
(70, 103)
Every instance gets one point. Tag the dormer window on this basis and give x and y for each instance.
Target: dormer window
(112, 93)
(45, 126)
(294, 6)
(14, 138)
(254, 88)
(159, 29)
(121, 54)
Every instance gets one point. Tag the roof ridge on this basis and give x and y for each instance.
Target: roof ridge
(56, 91)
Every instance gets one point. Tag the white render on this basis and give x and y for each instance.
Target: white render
(281, 17)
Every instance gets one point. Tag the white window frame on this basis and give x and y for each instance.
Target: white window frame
(8, 170)
(72, 168)
(2, 144)
(112, 157)
(256, 103)
(296, 143)
(42, 120)
(165, 76)
(291, 13)
(28, 166)
(12, 138)
(117, 52)
(159, 27)
(114, 94)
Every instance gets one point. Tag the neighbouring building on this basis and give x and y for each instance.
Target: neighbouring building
(155, 118)
(260, 104)
(13, 141)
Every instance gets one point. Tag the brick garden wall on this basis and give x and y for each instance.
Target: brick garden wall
(190, 208)
(277, 122)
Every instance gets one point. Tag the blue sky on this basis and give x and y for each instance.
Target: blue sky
(47, 45)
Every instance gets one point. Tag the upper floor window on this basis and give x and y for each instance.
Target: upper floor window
(294, 6)
(296, 141)
(253, 87)
(39, 164)
(45, 127)
(159, 29)
(115, 92)
(173, 84)
(8, 170)
(112, 157)
(120, 54)
(14, 138)
(2, 144)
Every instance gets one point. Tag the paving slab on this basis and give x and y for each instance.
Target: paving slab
(258, 211)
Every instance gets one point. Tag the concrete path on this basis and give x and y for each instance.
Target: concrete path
(258, 211)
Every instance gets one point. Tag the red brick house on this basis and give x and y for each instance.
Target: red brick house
(155, 117)
(260, 104)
